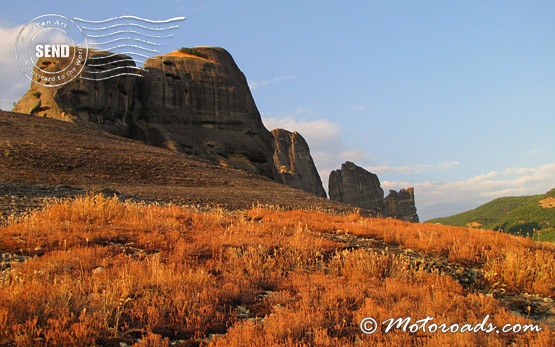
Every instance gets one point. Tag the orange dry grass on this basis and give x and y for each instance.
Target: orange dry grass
(106, 272)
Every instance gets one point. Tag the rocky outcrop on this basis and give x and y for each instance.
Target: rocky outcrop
(196, 101)
(294, 163)
(401, 205)
(109, 103)
(356, 186)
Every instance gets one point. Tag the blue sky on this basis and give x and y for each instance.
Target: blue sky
(455, 98)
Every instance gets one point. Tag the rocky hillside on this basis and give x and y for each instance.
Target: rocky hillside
(194, 101)
(42, 158)
(197, 101)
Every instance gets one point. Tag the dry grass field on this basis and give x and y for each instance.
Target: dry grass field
(95, 271)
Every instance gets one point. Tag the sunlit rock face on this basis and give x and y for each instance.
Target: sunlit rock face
(195, 101)
(294, 163)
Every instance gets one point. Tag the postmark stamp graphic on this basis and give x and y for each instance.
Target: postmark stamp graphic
(51, 50)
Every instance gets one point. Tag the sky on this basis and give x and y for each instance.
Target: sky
(454, 98)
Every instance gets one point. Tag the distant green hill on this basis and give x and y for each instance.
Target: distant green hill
(532, 216)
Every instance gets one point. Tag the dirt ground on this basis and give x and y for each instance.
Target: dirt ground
(42, 158)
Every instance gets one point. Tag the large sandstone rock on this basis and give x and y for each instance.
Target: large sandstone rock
(401, 205)
(356, 186)
(198, 101)
(109, 103)
(294, 163)
(194, 100)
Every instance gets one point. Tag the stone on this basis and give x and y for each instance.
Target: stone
(356, 186)
(108, 103)
(401, 205)
(194, 100)
(294, 163)
(198, 101)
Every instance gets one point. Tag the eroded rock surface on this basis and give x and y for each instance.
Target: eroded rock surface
(401, 205)
(356, 186)
(196, 101)
(294, 163)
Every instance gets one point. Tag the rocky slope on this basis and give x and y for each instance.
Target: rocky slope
(42, 158)
(294, 163)
(194, 101)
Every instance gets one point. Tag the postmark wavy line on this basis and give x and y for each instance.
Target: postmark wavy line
(131, 17)
(131, 24)
(116, 68)
(120, 53)
(105, 78)
(125, 38)
(134, 46)
(114, 62)
(131, 32)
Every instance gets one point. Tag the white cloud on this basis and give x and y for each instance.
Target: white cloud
(320, 134)
(13, 83)
(413, 169)
(441, 198)
(327, 147)
(264, 83)
(433, 198)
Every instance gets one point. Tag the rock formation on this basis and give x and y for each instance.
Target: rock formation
(356, 186)
(294, 163)
(196, 101)
(109, 103)
(401, 205)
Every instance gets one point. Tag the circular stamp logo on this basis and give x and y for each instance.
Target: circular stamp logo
(51, 50)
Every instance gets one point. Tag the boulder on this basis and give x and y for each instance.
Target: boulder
(356, 186)
(294, 163)
(401, 205)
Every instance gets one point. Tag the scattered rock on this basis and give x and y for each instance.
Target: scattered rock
(98, 270)
(294, 163)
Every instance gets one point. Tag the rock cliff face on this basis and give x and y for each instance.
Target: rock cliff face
(401, 205)
(356, 186)
(294, 163)
(109, 103)
(198, 101)
(194, 100)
